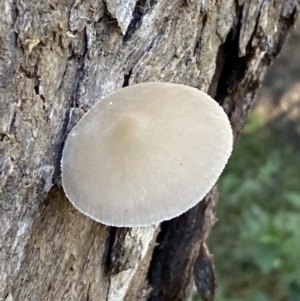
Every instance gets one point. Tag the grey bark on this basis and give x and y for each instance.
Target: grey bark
(57, 58)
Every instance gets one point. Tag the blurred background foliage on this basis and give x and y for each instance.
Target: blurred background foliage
(256, 241)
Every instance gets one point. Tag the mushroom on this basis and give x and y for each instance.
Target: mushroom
(145, 154)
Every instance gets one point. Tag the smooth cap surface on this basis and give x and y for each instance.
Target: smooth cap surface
(145, 154)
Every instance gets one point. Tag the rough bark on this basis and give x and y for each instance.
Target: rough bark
(57, 58)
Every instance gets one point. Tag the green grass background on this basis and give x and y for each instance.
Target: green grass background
(256, 241)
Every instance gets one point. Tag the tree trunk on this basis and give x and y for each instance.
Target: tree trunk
(57, 59)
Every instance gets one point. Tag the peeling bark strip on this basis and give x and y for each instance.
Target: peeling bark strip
(204, 274)
(121, 11)
(58, 57)
(129, 250)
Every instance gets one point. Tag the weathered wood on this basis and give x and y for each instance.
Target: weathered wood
(57, 59)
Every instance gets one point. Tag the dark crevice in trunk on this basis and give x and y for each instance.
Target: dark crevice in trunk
(233, 68)
(173, 259)
(109, 246)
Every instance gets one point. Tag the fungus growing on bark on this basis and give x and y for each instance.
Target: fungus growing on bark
(145, 154)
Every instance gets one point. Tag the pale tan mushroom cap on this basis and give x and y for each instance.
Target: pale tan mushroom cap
(146, 154)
